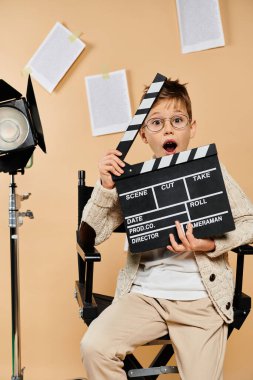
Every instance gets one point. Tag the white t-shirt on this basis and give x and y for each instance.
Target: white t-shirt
(168, 275)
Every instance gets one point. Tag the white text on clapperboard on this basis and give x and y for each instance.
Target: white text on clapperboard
(146, 225)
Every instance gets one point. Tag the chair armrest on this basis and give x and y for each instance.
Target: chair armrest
(85, 238)
(87, 255)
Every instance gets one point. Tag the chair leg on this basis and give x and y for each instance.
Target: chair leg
(81, 269)
(230, 329)
(162, 358)
(130, 363)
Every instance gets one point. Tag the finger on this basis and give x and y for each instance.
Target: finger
(114, 151)
(112, 169)
(111, 160)
(171, 249)
(181, 234)
(113, 164)
(178, 248)
(113, 157)
(189, 227)
(106, 168)
(190, 237)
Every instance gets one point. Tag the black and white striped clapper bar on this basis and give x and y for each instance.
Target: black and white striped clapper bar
(186, 186)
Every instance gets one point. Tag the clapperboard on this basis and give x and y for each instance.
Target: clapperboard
(186, 186)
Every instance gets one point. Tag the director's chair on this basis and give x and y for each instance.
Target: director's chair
(92, 304)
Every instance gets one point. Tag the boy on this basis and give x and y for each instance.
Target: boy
(186, 288)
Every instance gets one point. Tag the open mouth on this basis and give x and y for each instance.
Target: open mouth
(170, 146)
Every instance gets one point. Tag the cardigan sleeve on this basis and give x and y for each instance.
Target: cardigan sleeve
(242, 211)
(102, 212)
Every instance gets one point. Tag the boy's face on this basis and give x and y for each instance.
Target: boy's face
(168, 140)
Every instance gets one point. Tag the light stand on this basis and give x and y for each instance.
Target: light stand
(20, 133)
(15, 220)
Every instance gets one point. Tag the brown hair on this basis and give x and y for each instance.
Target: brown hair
(172, 89)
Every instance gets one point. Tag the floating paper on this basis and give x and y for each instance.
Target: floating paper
(199, 25)
(54, 56)
(108, 101)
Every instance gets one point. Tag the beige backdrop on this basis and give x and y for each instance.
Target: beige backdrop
(142, 37)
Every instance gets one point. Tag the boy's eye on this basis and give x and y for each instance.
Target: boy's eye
(156, 122)
(177, 119)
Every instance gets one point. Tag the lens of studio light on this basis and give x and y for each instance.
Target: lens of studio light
(14, 128)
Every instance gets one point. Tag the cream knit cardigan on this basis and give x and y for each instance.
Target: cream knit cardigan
(103, 214)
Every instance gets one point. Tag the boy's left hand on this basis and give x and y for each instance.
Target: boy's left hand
(189, 242)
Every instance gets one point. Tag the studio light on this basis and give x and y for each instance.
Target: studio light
(20, 133)
(20, 127)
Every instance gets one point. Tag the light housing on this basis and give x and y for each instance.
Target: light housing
(20, 127)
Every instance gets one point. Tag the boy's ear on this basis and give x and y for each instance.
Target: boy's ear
(193, 128)
(142, 133)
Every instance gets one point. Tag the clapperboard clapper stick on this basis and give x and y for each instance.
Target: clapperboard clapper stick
(186, 186)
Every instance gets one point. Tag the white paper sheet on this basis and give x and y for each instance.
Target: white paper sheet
(108, 101)
(199, 25)
(54, 56)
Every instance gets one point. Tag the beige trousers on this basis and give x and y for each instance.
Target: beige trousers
(198, 334)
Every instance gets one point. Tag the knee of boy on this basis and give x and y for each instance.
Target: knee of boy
(90, 347)
(86, 346)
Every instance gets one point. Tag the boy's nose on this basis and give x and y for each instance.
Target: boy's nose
(167, 127)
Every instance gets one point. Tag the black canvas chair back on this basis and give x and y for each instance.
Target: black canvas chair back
(91, 304)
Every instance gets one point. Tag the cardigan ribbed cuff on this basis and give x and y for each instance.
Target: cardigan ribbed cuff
(103, 197)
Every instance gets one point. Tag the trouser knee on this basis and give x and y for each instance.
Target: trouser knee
(87, 348)
(92, 349)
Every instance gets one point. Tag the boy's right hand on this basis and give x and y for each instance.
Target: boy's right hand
(110, 164)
